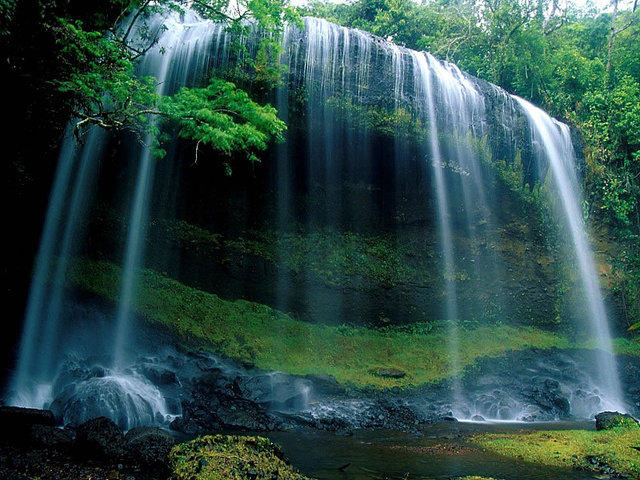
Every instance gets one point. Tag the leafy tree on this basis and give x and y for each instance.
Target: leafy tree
(96, 56)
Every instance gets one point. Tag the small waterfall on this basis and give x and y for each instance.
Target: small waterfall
(424, 75)
(182, 45)
(41, 338)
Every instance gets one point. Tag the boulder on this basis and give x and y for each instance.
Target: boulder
(100, 437)
(226, 456)
(159, 375)
(24, 425)
(18, 417)
(49, 436)
(149, 445)
(609, 420)
(547, 393)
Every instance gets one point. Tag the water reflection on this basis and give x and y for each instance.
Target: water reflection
(440, 452)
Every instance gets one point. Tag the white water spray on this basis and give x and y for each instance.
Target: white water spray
(554, 139)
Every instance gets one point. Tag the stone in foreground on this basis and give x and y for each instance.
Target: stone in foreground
(609, 420)
(231, 457)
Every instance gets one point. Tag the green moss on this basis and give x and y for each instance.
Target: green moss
(333, 257)
(223, 457)
(627, 346)
(188, 235)
(570, 448)
(392, 121)
(255, 333)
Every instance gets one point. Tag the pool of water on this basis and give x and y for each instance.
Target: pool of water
(441, 452)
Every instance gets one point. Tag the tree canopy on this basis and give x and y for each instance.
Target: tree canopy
(97, 50)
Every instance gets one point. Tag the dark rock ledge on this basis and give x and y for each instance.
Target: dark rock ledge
(32, 447)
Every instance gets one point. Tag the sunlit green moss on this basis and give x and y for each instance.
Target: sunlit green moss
(589, 450)
(224, 457)
(255, 333)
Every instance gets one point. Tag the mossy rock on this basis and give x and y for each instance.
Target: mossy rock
(610, 420)
(230, 457)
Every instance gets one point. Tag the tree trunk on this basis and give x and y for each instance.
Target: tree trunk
(612, 35)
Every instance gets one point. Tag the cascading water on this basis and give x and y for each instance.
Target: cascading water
(553, 140)
(428, 171)
(40, 341)
(116, 391)
(423, 74)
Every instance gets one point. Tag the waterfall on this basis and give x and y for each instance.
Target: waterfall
(553, 140)
(65, 216)
(381, 139)
(424, 75)
(185, 44)
(181, 55)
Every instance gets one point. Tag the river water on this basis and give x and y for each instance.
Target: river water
(441, 451)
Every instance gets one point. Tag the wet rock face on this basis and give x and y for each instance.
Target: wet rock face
(216, 402)
(29, 426)
(14, 418)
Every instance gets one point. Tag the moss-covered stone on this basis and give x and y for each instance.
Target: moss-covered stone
(611, 420)
(475, 477)
(230, 457)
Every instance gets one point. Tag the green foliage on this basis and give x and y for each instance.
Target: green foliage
(99, 80)
(7, 8)
(612, 130)
(223, 117)
(234, 457)
(96, 76)
(584, 450)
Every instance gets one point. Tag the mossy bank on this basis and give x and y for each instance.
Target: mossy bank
(611, 452)
(256, 334)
